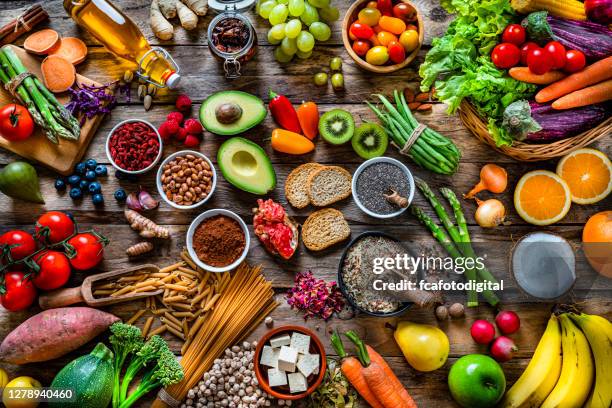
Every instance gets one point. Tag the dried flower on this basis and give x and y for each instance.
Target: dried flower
(87, 101)
(315, 297)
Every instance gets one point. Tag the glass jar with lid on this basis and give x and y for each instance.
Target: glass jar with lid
(231, 35)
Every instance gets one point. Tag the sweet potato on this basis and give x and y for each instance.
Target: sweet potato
(42, 42)
(52, 333)
(72, 49)
(58, 73)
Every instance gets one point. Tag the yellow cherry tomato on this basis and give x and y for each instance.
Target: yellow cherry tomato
(378, 55)
(21, 383)
(372, 4)
(385, 37)
(409, 40)
(369, 16)
(3, 378)
(392, 24)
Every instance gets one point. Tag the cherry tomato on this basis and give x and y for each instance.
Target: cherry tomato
(397, 54)
(556, 50)
(378, 55)
(505, 55)
(392, 24)
(410, 40)
(15, 122)
(514, 34)
(19, 292)
(22, 243)
(361, 30)
(372, 4)
(404, 11)
(352, 36)
(377, 29)
(528, 46)
(89, 251)
(385, 37)
(369, 16)
(374, 41)
(54, 270)
(538, 61)
(574, 61)
(361, 47)
(385, 6)
(412, 27)
(54, 226)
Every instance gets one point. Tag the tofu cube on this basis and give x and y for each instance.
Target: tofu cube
(287, 359)
(269, 356)
(280, 341)
(308, 363)
(297, 383)
(300, 342)
(276, 377)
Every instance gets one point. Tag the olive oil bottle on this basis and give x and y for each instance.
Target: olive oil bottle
(120, 35)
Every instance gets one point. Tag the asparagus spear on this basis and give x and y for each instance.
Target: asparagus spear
(439, 209)
(449, 194)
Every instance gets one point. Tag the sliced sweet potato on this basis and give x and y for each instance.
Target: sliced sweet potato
(72, 49)
(58, 73)
(42, 42)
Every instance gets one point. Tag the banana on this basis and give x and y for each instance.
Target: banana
(577, 371)
(542, 373)
(598, 332)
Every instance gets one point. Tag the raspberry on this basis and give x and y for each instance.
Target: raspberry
(173, 127)
(193, 127)
(181, 134)
(176, 116)
(165, 131)
(191, 141)
(183, 103)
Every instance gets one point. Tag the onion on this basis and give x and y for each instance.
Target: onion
(492, 178)
(490, 213)
(599, 11)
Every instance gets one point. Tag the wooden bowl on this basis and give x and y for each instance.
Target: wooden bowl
(314, 380)
(351, 16)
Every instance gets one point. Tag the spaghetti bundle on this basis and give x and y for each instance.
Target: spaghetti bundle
(242, 305)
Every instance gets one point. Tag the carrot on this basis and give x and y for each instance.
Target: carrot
(592, 74)
(42, 42)
(353, 371)
(72, 49)
(377, 358)
(58, 73)
(524, 74)
(591, 95)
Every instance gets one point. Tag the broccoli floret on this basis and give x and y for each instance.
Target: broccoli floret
(166, 372)
(125, 340)
(151, 351)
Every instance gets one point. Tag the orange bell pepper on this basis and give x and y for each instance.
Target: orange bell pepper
(308, 115)
(285, 141)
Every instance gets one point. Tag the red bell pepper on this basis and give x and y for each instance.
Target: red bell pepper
(385, 7)
(284, 113)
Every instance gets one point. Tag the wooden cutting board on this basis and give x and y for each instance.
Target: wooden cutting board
(60, 157)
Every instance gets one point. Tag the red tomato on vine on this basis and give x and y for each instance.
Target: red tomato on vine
(21, 244)
(54, 226)
(15, 123)
(54, 270)
(85, 250)
(18, 292)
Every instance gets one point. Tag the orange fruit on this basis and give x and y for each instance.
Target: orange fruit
(542, 198)
(597, 240)
(588, 173)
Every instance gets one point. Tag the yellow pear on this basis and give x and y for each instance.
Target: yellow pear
(425, 346)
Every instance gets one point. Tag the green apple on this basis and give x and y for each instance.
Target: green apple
(476, 381)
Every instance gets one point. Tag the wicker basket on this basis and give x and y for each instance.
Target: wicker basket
(531, 152)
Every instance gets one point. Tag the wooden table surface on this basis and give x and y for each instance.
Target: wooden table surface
(202, 75)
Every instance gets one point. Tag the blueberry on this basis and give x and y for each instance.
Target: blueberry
(90, 175)
(101, 170)
(95, 187)
(97, 199)
(91, 164)
(60, 184)
(76, 193)
(74, 180)
(80, 168)
(84, 185)
(120, 195)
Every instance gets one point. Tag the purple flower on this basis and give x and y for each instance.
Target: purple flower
(315, 297)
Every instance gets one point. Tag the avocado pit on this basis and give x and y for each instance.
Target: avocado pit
(228, 113)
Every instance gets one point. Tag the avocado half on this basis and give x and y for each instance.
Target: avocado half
(253, 112)
(246, 165)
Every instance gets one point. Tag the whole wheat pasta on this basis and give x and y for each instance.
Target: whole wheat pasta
(122, 291)
(188, 260)
(103, 292)
(177, 333)
(185, 327)
(160, 330)
(174, 299)
(147, 326)
(149, 288)
(136, 316)
(172, 267)
(178, 287)
(183, 306)
(183, 314)
(159, 312)
(173, 319)
(211, 302)
(171, 324)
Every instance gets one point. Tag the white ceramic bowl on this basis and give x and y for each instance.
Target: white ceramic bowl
(211, 213)
(375, 160)
(153, 164)
(161, 190)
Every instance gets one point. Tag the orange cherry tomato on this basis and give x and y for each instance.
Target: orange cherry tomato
(374, 40)
(361, 47)
(412, 27)
(392, 24)
(409, 40)
(372, 4)
(385, 37)
(377, 29)
(397, 54)
(285, 141)
(378, 55)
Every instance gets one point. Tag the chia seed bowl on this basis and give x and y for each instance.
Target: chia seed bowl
(344, 285)
(377, 176)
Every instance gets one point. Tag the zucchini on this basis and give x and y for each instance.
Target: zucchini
(90, 378)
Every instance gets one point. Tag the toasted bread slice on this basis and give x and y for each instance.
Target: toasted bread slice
(324, 228)
(295, 186)
(328, 185)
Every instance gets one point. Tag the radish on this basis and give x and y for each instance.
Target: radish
(507, 322)
(482, 332)
(503, 349)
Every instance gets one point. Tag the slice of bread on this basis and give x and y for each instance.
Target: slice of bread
(296, 183)
(324, 228)
(328, 185)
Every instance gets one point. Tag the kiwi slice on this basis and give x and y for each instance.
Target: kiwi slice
(370, 140)
(337, 126)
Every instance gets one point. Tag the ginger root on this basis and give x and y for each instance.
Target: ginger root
(395, 198)
(189, 19)
(200, 7)
(167, 8)
(146, 227)
(160, 26)
(139, 249)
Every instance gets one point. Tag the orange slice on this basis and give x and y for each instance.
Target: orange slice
(542, 198)
(588, 173)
